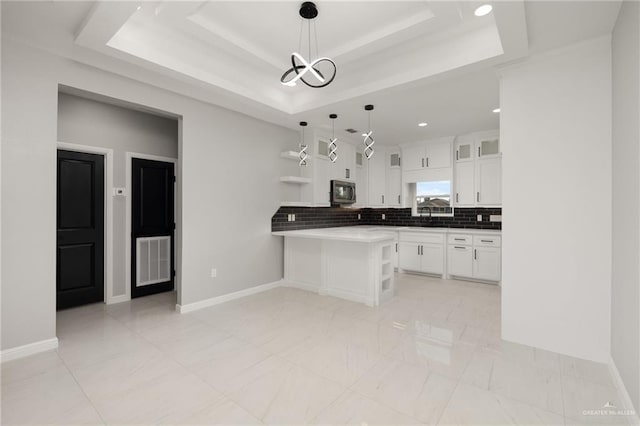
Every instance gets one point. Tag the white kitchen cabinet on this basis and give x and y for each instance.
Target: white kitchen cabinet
(409, 256)
(486, 263)
(430, 155)
(377, 183)
(321, 182)
(344, 166)
(393, 196)
(488, 146)
(460, 261)
(474, 256)
(489, 182)
(421, 252)
(464, 149)
(464, 184)
(362, 180)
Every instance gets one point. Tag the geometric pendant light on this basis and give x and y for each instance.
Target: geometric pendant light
(303, 147)
(368, 137)
(333, 146)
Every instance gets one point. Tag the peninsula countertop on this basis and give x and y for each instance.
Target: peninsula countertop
(345, 233)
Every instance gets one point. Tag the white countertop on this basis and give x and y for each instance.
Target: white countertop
(372, 233)
(473, 231)
(345, 233)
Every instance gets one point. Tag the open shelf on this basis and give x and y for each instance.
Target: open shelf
(295, 179)
(295, 204)
(290, 155)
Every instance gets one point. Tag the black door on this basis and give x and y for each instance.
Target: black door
(80, 226)
(152, 227)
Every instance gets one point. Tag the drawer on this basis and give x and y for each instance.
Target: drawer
(422, 237)
(460, 239)
(486, 241)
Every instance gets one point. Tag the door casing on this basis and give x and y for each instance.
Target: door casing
(107, 153)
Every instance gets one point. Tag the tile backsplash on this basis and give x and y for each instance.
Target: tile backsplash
(329, 217)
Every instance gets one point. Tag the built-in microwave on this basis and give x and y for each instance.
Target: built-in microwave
(342, 192)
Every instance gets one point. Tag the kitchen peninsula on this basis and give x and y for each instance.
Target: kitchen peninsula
(348, 263)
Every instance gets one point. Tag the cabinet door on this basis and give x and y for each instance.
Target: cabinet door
(488, 147)
(486, 263)
(489, 182)
(321, 182)
(348, 161)
(464, 151)
(394, 255)
(394, 187)
(362, 184)
(409, 256)
(377, 180)
(432, 258)
(438, 155)
(413, 158)
(460, 261)
(463, 183)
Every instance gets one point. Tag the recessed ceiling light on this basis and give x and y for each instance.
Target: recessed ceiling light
(485, 9)
(422, 124)
(497, 110)
(139, 7)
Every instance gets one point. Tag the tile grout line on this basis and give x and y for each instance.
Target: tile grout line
(82, 389)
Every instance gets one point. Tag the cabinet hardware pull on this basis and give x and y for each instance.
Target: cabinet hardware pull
(398, 199)
(383, 199)
(486, 241)
(396, 247)
(457, 158)
(418, 250)
(459, 239)
(456, 197)
(458, 247)
(475, 254)
(422, 162)
(478, 151)
(427, 161)
(421, 250)
(478, 197)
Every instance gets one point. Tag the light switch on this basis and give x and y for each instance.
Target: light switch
(479, 218)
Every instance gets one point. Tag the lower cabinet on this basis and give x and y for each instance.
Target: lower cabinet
(477, 256)
(421, 252)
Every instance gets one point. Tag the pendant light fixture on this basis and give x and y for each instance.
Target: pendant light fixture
(368, 138)
(333, 146)
(322, 70)
(303, 147)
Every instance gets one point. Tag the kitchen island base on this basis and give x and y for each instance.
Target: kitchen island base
(359, 271)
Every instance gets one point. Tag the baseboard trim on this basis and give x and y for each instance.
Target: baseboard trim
(628, 405)
(118, 299)
(28, 349)
(301, 286)
(190, 307)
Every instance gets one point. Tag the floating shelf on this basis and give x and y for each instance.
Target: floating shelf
(295, 204)
(290, 155)
(295, 179)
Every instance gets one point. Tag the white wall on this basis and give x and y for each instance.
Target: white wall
(89, 122)
(625, 291)
(555, 127)
(230, 168)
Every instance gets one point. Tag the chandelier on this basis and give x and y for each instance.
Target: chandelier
(315, 73)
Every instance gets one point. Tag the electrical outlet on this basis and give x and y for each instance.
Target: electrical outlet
(358, 216)
(384, 216)
(293, 218)
(479, 218)
(289, 217)
(214, 272)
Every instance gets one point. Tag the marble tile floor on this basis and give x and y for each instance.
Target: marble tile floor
(432, 355)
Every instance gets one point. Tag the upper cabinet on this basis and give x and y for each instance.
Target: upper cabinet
(393, 196)
(478, 170)
(377, 187)
(427, 155)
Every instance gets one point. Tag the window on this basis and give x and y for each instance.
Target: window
(433, 198)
